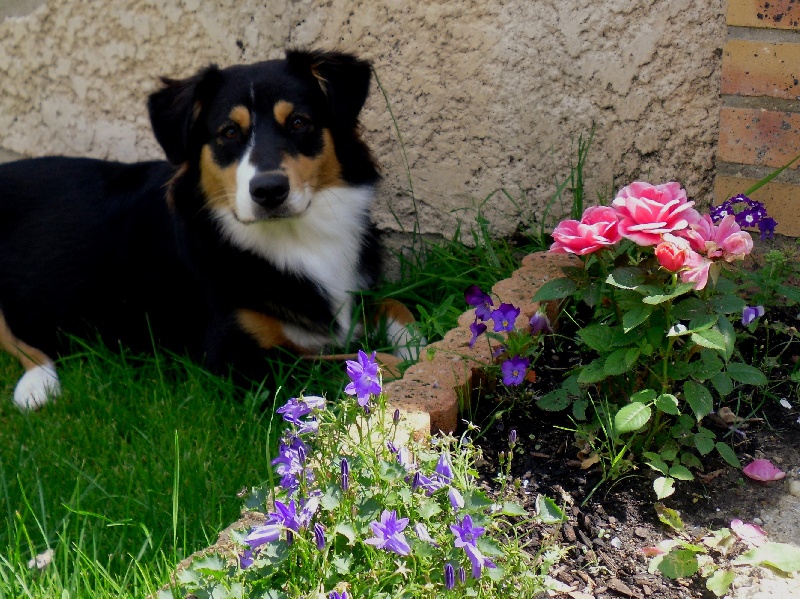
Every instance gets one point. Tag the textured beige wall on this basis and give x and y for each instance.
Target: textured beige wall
(487, 94)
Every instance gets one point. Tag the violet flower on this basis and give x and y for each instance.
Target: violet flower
(456, 499)
(443, 470)
(364, 376)
(504, 317)
(246, 559)
(259, 535)
(424, 535)
(337, 595)
(319, 536)
(751, 314)
(290, 463)
(389, 533)
(514, 370)
(767, 227)
(345, 470)
(481, 301)
(477, 329)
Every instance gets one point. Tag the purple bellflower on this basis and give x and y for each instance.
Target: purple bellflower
(504, 317)
(514, 370)
(456, 499)
(751, 314)
(481, 301)
(423, 534)
(449, 576)
(337, 595)
(389, 533)
(466, 536)
(364, 378)
(319, 536)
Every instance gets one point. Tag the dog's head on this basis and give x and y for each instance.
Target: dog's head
(264, 138)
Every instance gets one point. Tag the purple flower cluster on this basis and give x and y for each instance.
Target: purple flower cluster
(364, 378)
(752, 214)
(515, 368)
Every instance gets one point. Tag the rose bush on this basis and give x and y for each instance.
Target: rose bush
(659, 333)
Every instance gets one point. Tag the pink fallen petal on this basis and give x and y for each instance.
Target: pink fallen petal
(751, 534)
(763, 470)
(653, 551)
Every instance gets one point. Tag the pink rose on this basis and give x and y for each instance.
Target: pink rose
(696, 269)
(648, 211)
(729, 237)
(670, 256)
(700, 233)
(596, 230)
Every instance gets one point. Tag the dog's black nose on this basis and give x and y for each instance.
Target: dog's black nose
(269, 190)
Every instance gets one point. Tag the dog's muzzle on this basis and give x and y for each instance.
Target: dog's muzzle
(269, 190)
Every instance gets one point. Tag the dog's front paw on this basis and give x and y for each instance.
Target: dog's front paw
(36, 387)
(406, 340)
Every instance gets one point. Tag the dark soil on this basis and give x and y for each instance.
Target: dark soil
(610, 522)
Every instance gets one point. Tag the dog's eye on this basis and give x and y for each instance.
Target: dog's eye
(298, 122)
(230, 132)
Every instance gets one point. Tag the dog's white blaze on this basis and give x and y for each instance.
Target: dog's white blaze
(244, 202)
(37, 387)
(322, 243)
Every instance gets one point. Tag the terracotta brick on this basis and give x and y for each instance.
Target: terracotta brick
(782, 200)
(773, 14)
(758, 136)
(751, 68)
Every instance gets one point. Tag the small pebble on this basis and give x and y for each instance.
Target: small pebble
(615, 543)
(794, 488)
(758, 521)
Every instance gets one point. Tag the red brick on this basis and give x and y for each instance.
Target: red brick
(751, 68)
(758, 136)
(782, 200)
(773, 14)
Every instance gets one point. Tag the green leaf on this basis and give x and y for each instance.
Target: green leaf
(661, 298)
(656, 463)
(342, 563)
(680, 563)
(513, 509)
(664, 486)
(782, 556)
(710, 338)
(728, 454)
(548, 511)
(710, 364)
(592, 372)
(727, 304)
(635, 317)
(690, 460)
(745, 373)
(722, 383)
(597, 336)
(680, 473)
(668, 403)
(620, 361)
(555, 401)
(428, 508)
(625, 278)
(704, 441)
(347, 531)
(691, 307)
(332, 498)
(669, 517)
(719, 582)
(631, 418)
(555, 289)
(698, 398)
(392, 471)
(792, 293)
(644, 396)
(729, 333)
(476, 500)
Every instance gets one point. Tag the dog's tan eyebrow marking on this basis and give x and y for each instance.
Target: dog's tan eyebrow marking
(241, 116)
(282, 110)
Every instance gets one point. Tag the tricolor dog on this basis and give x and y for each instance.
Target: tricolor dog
(255, 234)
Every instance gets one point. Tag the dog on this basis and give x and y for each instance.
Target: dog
(255, 234)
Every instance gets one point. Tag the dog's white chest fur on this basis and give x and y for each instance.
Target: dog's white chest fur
(323, 244)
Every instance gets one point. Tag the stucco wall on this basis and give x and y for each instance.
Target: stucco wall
(486, 93)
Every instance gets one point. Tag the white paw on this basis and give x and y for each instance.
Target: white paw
(405, 339)
(36, 387)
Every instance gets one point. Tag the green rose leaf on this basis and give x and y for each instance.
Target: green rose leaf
(745, 373)
(698, 398)
(710, 338)
(664, 486)
(631, 418)
(635, 317)
(621, 360)
(555, 289)
(592, 372)
(548, 511)
(728, 454)
(668, 403)
(597, 336)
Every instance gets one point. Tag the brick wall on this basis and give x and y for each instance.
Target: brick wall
(760, 114)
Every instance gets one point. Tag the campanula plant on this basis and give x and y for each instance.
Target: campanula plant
(355, 511)
(660, 339)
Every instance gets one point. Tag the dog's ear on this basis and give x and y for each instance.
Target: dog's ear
(343, 78)
(175, 108)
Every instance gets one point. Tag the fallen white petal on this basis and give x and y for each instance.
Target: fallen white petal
(42, 560)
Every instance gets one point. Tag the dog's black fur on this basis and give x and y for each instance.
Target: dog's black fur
(166, 251)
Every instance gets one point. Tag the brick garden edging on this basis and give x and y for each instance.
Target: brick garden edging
(430, 393)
